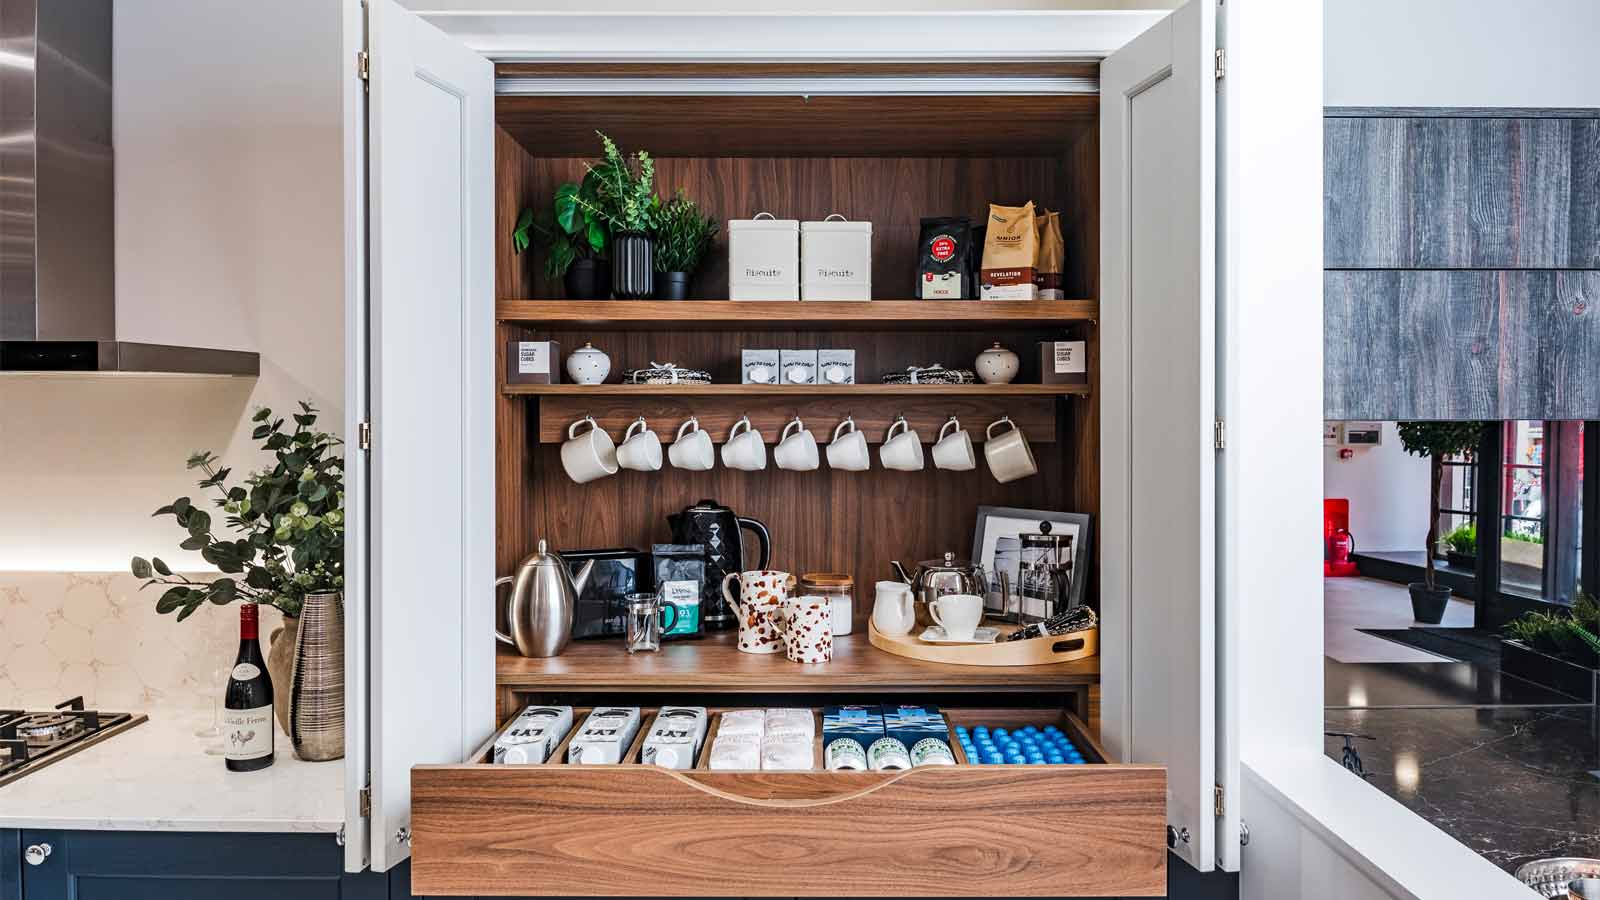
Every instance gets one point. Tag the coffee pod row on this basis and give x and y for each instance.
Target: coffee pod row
(589, 453)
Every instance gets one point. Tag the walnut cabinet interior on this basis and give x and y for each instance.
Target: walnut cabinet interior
(557, 830)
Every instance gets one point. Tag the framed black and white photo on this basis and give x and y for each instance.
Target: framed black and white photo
(996, 546)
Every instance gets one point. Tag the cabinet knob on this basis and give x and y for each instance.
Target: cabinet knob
(36, 854)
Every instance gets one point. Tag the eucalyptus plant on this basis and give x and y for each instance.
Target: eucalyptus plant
(624, 190)
(284, 535)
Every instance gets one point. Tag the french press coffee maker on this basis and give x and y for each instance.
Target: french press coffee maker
(1045, 573)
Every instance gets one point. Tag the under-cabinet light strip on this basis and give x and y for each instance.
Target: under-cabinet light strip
(513, 86)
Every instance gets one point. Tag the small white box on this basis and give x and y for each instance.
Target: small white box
(758, 367)
(836, 367)
(836, 260)
(764, 258)
(799, 366)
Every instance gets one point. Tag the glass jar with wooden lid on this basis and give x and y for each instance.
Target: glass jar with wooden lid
(839, 590)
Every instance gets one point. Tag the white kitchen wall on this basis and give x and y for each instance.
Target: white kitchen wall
(1387, 489)
(1462, 53)
(229, 233)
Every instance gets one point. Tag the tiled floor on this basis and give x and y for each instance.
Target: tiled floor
(1352, 603)
(1500, 764)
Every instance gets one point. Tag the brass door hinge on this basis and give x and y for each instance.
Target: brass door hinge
(364, 436)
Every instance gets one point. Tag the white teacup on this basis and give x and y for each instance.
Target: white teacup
(901, 451)
(847, 452)
(797, 448)
(953, 450)
(589, 455)
(692, 449)
(1008, 455)
(958, 615)
(640, 449)
(745, 449)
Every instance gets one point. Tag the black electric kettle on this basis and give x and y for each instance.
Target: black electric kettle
(716, 526)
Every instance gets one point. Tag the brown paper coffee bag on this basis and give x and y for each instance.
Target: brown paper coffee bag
(1010, 249)
(1052, 258)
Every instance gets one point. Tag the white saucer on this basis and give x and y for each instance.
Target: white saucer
(934, 634)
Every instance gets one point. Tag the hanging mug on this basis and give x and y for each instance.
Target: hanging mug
(590, 455)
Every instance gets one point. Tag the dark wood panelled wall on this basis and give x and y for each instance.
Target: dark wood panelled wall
(825, 519)
(1460, 248)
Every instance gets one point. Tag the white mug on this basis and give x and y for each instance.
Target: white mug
(796, 451)
(692, 451)
(953, 450)
(641, 448)
(1008, 455)
(590, 455)
(806, 624)
(848, 453)
(958, 615)
(893, 613)
(744, 450)
(902, 451)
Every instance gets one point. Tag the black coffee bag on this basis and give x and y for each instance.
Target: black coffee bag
(943, 255)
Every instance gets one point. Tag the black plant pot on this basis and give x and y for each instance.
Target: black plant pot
(1428, 604)
(633, 273)
(1460, 560)
(585, 280)
(672, 286)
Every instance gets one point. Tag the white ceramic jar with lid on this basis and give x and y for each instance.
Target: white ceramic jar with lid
(764, 258)
(836, 258)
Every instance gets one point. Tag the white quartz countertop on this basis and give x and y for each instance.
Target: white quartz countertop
(156, 776)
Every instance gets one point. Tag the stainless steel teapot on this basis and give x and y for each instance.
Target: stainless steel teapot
(541, 603)
(937, 577)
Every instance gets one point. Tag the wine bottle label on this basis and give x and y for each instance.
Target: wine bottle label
(247, 733)
(246, 672)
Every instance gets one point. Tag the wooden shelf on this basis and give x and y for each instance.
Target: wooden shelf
(715, 664)
(996, 391)
(816, 315)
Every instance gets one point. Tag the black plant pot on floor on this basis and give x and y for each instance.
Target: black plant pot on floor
(672, 286)
(633, 266)
(585, 280)
(1428, 604)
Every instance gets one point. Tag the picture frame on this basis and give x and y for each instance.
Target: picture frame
(996, 522)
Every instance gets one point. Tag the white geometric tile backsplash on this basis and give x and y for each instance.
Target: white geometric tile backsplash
(95, 633)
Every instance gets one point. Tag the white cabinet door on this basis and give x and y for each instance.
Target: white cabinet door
(1158, 376)
(431, 525)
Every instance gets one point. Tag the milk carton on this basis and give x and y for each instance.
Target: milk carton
(675, 737)
(847, 732)
(533, 736)
(605, 736)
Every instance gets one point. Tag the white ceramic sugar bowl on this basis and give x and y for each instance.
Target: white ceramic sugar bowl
(588, 365)
(997, 365)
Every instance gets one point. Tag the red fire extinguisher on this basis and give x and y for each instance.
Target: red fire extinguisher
(1340, 546)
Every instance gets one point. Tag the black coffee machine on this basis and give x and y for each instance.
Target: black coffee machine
(709, 522)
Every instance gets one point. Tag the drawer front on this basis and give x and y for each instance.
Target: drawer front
(970, 831)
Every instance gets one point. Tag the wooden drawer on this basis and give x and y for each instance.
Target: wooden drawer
(638, 830)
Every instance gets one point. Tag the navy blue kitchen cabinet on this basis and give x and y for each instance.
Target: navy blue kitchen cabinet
(152, 865)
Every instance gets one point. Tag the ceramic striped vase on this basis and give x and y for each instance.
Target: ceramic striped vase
(633, 273)
(316, 683)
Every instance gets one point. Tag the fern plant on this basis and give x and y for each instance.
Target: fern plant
(683, 235)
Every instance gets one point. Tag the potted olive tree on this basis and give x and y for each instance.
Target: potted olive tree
(1434, 440)
(683, 236)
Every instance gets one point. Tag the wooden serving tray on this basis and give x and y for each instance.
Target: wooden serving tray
(1037, 652)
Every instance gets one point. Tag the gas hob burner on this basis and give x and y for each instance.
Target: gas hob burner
(46, 729)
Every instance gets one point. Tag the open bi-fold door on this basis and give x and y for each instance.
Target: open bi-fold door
(1158, 377)
(430, 316)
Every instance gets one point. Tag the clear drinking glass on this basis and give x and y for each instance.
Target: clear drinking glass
(211, 735)
(644, 626)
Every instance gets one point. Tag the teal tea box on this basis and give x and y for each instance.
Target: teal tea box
(922, 730)
(847, 732)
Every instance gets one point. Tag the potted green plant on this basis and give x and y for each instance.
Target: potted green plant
(575, 242)
(1461, 547)
(1434, 440)
(623, 199)
(1558, 649)
(283, 545)
(683, 237)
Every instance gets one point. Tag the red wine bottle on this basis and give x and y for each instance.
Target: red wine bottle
(247, 734)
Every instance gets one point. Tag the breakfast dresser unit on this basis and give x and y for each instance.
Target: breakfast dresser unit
(469, 120)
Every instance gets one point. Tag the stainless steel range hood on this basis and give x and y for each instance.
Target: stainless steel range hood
(57, 286)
